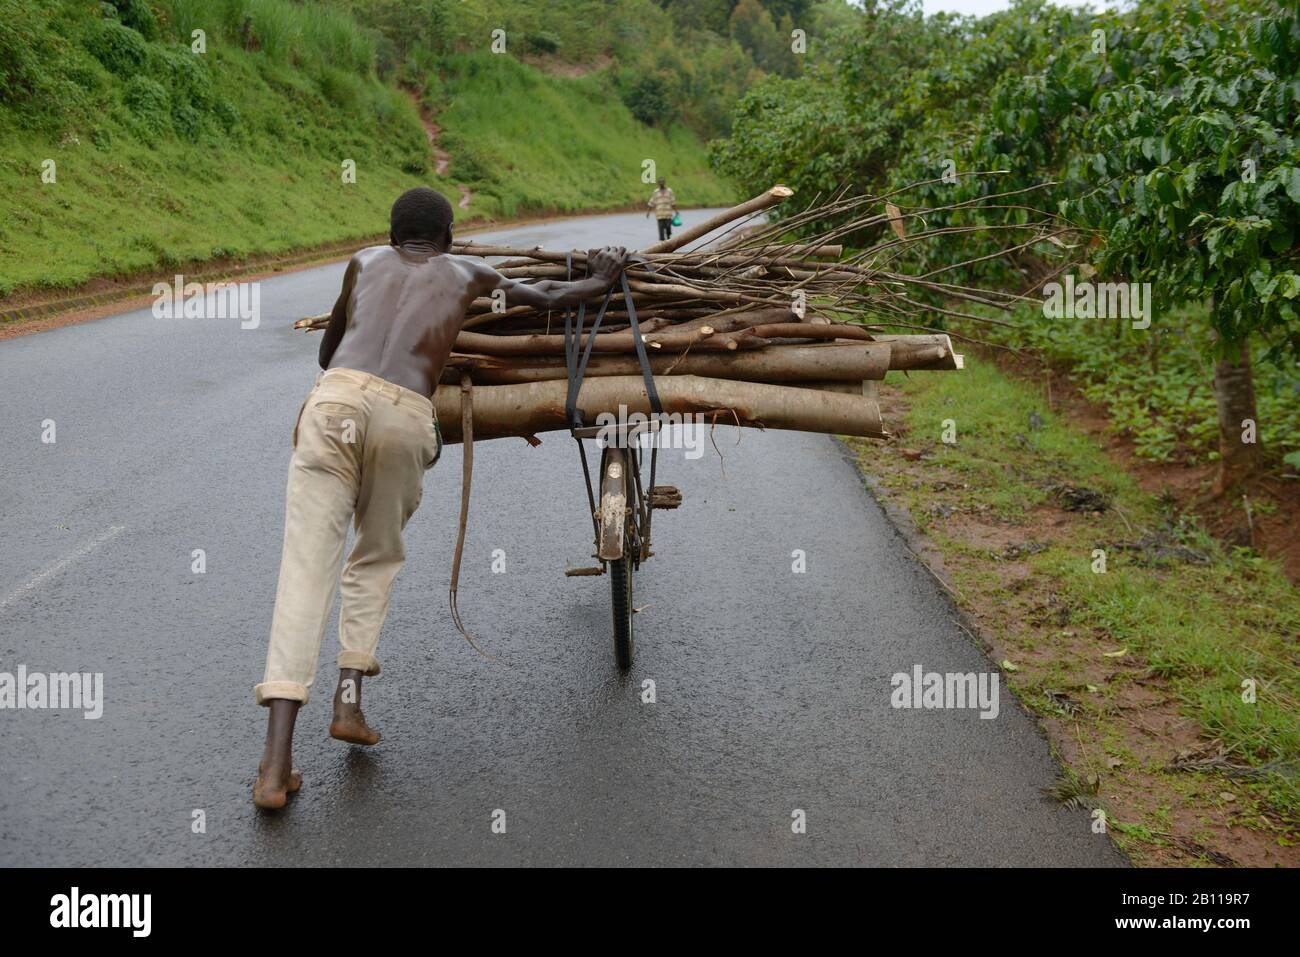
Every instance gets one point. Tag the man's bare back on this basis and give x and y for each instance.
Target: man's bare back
(402, 306)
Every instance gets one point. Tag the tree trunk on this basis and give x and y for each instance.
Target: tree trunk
(529, 408)
(1234, 395)
(780, 366)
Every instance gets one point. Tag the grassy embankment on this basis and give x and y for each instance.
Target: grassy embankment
(1156, 384)
(165, 157)
(1135, 670)
(525, 140)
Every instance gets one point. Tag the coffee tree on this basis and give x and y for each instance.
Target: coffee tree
(1195, 150)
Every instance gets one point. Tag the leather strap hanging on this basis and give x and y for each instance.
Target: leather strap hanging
(646, 372)
(467, 475)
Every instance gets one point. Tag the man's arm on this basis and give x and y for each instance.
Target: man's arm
(339, 317)
(604, 265)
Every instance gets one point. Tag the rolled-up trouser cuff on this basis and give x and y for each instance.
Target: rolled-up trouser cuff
(368, 665)
(289, 690)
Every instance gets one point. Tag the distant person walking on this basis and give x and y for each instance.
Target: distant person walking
(663, 203)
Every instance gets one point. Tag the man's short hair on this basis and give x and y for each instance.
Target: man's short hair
(420, 213)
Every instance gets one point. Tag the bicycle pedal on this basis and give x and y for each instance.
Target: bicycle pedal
(591, 570)
(665, 496)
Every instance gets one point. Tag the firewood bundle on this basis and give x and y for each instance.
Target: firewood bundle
(751, 331)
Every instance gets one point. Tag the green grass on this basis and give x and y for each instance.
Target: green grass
(133, 195)
(526, 140)
(1156, 384)
(1200, 628)
(166, 157)
(989, 411)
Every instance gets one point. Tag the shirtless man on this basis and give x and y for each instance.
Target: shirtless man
(364, 438)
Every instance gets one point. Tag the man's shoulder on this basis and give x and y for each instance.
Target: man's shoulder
(471, 263)
(371, 253)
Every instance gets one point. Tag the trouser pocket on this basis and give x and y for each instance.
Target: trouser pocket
(298, 421)
(432, 459)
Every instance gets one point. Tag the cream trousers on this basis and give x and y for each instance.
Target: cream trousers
(361, 448)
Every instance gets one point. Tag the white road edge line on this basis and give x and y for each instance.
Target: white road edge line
(50, 571)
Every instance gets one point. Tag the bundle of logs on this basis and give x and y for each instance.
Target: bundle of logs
(749, 331)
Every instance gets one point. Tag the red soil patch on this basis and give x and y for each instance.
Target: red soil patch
(441, 158)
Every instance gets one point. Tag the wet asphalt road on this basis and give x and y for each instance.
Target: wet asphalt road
(772, 688)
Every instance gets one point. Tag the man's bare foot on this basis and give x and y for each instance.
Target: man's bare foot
(351, 726)
(271, 790)
(276, 776)
(349, 723)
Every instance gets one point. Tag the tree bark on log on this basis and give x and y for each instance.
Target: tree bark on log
(930, 351)
(788, 364)
(733, 321)
(795, 330)
(553, 345)
(527, 409)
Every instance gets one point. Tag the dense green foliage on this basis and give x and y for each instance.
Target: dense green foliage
(670, 60)
(1197, 145)
(665, 73)
(1167, 132)
(891, 98)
